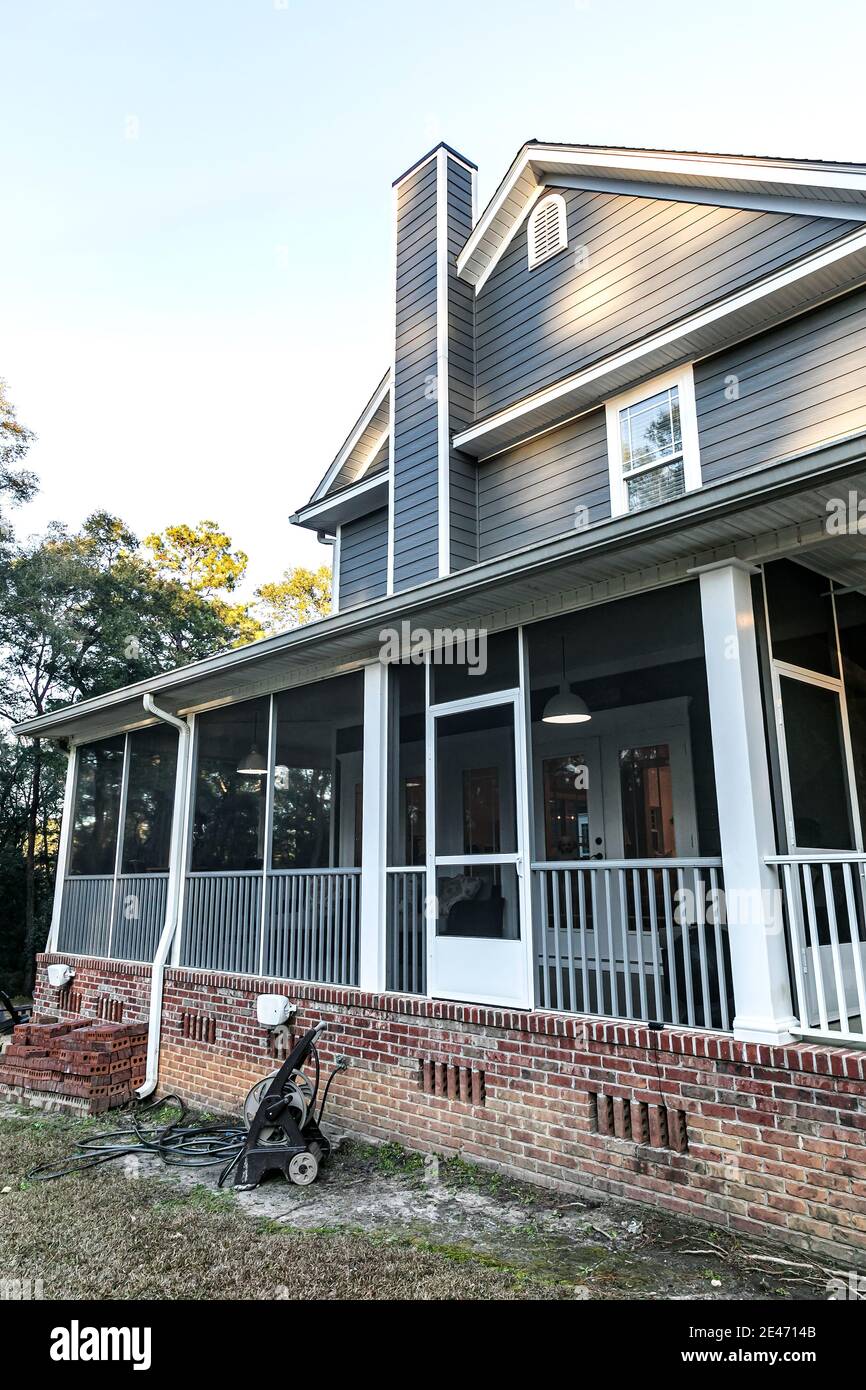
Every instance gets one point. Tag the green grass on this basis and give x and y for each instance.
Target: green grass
(106, 1235)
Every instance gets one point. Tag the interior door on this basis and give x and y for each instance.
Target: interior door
(477, 916)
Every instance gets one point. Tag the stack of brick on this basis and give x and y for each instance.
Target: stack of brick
(96, 1066)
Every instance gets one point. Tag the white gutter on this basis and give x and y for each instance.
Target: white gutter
(175, 880)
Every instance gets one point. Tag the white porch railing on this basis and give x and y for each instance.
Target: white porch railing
(406, 964)
(299, 924)
(824, 898)
(634, 938)
(116, 918)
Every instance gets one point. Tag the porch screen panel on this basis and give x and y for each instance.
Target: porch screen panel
(223, 903)
(85, 914)
(229, 819)
(97, 808)
(406, 954)
(149, 801)
(311, 911)
(816, 765)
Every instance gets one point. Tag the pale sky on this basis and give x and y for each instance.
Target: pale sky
(196, 203)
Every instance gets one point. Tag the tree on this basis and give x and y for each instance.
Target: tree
(80, 614)
(200, 559)
(301, 596)
(17, 484)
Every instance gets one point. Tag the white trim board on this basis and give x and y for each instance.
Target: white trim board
(354, 437)
(684, 381)
(737, 173)
(443, 447)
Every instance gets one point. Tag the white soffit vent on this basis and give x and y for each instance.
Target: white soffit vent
(548, 232)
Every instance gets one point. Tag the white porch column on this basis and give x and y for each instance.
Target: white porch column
(762, 994)
(63, 849)
(371, 968)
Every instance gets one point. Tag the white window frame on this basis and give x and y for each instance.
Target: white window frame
(562, 238)
(683, 379)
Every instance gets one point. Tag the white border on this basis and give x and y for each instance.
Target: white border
(443, 494)
(684, 381)
(757, 173)
(557, 200)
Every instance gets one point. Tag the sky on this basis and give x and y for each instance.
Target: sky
(196, 203)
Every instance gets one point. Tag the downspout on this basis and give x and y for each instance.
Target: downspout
(172, 907)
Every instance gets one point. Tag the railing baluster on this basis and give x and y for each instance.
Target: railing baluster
(721, 967)
(584, 960)
(701, 929)
(556, 952)
(638, 927)
(686, 942)
(569, 941)
(623, 919)
(830, 900)
(812, 920)
(658, 1010)
(856, 952)
(545, 964)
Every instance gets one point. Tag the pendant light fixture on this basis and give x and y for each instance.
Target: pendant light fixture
(566, 707)
(254, 763)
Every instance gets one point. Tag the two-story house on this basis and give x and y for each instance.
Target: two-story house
(559, 816)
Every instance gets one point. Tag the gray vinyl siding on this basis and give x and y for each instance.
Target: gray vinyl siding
(798, 386)
(364, 559)
(463, 508)
(650, 262)
(531, 493)
(416, 534)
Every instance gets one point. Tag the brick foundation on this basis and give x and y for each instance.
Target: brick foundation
(768, 1141)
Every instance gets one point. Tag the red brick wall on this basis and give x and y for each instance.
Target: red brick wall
(767, 1141)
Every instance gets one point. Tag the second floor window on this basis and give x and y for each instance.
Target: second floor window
(653, 443)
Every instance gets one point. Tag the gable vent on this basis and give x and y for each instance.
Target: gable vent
(548, 231)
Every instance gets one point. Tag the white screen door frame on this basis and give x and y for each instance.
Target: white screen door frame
(479, 969)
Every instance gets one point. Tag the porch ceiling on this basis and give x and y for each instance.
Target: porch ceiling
(753, 517)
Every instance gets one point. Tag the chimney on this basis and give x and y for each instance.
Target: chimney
(433, 526)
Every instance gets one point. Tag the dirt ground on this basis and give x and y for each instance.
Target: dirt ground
(379, 1223)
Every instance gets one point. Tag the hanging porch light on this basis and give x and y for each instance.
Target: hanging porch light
(565, 707)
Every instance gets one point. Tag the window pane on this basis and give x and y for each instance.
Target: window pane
(647, 802)
(479, 900)
(656, 485)
(488, 663)
(318, 794)
(407, 840)
(97, 807)
(816, 766)
(650, 429)
(149, 800)
(229, 820)
(475, 791)
(802, 631)
(566, 807)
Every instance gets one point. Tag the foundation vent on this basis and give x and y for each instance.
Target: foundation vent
(198, 1027)
(452, 1080)
(72, 1003)
(638, 1122)
(110, 1010)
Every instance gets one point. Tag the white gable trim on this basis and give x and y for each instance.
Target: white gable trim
(735, 173)
(354, 438)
